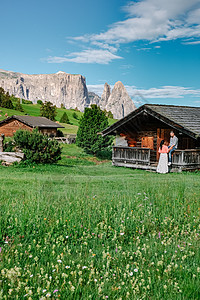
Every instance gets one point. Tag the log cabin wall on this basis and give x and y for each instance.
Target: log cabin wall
(147, 132)
(8, 129)
(12, 126)
(48, 131)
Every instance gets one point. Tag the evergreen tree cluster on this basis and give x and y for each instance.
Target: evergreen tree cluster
(65, 118)
(5, 100)
(48, 110)
(89, 137)
(9, 102)
(37, 148)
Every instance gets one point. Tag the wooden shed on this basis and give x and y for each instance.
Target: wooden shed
(144, 128)
(11, 124)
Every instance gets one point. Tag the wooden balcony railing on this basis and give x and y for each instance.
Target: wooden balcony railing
(186, 158)
(143, 158)
(131, 155)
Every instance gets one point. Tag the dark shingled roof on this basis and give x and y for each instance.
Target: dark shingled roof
(183, 118)
(40, 122)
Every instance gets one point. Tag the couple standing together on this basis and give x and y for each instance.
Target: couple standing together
(164, 150)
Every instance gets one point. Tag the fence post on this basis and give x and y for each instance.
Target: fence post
(1, 142)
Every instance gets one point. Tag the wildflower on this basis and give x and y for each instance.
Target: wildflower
(67, 236)
(0, 249)
(44, 291)
(116, 250)
(72, 288)
(84, 267)
(121, 233)
(67, 267)
(131, 274)
(93, 254)
(59, 261)
(45, 219)
(55, 291)
(135, 270)
(53, 270)
(95, 280)
(31, 275)
(48, 295)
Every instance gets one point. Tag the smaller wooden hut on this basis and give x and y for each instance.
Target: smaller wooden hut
(11, 124)
(138, 136)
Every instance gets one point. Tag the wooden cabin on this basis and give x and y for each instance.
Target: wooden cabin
(11, 124)
(138, 136)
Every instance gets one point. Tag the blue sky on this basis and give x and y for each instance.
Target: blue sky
(152, 46)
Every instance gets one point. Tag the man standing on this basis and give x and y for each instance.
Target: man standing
(174, 143)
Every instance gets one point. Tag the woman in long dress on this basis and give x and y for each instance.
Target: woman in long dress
(163, 160)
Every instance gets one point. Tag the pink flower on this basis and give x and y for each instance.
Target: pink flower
(55, 291)
(0, 249)
(159, 235)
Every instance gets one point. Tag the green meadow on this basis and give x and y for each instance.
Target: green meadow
(34, 110)
(83, 229)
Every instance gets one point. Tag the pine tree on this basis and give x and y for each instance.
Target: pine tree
(64, 118)
(75, 116)
(18, 106)
(48, 110)
(93, 121)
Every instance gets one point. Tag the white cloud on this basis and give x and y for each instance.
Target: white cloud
(153, 20)
(152, 93)
(192, 43)
(89, 56)
(146, 20)
(144, 49)
(96, 88)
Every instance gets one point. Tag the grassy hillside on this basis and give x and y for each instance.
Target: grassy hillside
(86, 230)
(34, 110)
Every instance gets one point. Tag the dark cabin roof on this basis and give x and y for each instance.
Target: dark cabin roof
(40, 122)
(185, 119)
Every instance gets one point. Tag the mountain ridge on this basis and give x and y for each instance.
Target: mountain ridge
(69, 90)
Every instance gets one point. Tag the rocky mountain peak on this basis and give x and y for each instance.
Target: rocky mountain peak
(119, 102)
(106, 94)
(67, 89)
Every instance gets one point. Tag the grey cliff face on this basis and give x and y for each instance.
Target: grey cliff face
(60, 88)
(67, 89)
(94, 98)
(105, 96)
(119, 102)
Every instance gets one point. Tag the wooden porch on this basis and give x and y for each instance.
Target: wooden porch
(144, 158)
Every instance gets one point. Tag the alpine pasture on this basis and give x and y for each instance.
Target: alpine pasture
(83, 229)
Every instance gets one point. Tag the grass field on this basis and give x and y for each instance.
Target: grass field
(34, 110)
(83, 229)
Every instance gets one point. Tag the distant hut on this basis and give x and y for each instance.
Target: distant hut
(138, 136)
(11, 124)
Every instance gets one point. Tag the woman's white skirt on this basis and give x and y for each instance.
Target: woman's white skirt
(163, 163)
